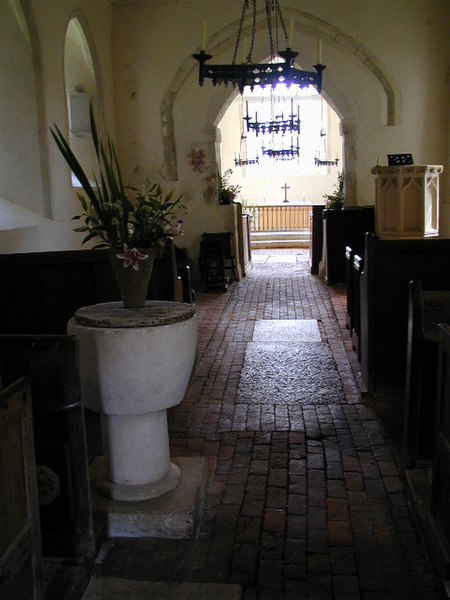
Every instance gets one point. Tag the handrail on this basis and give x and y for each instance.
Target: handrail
(280, 217)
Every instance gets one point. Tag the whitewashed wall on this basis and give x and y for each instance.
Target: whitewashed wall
(51, 195)
(386, 76)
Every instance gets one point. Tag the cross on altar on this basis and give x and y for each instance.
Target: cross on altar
(285, 187)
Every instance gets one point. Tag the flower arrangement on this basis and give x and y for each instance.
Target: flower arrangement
(337, 199)
(227, 191)
(119, 216)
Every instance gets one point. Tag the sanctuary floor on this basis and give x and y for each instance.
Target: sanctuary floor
(305, 497)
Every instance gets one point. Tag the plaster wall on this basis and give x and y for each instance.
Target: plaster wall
(20, 175)
(386, 77)
(47, 22)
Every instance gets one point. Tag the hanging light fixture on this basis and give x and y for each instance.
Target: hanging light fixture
(253, 74)
(282, 153)
(242, 160)
(277, 125)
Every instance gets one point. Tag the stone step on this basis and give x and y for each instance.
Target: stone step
(280, 239)
(101, 588)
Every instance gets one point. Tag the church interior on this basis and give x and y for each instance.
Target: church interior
(272, 421)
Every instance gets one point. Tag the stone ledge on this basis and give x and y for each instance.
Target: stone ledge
(121, 589)
(175, 514)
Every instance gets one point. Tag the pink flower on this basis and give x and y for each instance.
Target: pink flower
(131, 257)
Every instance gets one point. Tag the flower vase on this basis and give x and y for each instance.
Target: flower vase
(132, 270)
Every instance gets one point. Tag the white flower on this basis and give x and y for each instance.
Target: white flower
(131, 257)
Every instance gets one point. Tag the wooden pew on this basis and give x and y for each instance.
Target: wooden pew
(349, 254)
(358, 268)
(316, 233)
(438, 529)
(20, 554)
(50, 363)
(426, 310)
(354, 264)
(343, 228)
(389, 266)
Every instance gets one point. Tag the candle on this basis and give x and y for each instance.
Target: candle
(244, 50)
(291, 33)
(319, 52)
(378, 162)
(203, 48)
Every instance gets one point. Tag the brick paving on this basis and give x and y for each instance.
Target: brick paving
(304, 500)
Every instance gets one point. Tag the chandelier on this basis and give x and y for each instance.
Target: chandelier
(242, 160)
(251, 74)
(282, 153)
(326, 163)
(277, 125)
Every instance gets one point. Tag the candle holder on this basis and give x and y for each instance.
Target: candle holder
(253, 74)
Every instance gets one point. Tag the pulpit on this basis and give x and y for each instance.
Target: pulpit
(407, 201)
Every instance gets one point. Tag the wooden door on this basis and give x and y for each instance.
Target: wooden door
(20, 544)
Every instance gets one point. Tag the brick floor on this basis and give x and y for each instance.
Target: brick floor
(304, 501)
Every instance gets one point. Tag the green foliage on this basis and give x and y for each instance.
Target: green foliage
(155, 215)
(337, 199)
(227, 191)
(116, 214)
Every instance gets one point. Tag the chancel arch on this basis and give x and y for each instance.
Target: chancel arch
(354, 83)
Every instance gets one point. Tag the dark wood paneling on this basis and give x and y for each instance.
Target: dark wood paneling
(42, 290)
(51, 363)
(438, 530)
(426, 310)
(20, 545)
(316, 228)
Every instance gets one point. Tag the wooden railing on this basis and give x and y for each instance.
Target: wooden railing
(280, 217)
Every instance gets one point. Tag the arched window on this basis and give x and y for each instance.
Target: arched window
(81, 90)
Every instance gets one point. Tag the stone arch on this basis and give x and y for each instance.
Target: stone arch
(304, 22)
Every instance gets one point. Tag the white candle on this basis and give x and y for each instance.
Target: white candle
(203, 36)
(319, 52)
(291, 33)
(244, 50)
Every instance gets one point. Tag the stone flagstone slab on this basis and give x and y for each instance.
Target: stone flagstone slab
(289, 373)
(284, 330)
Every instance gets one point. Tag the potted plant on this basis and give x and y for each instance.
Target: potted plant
(336, 200)
(132, 223)
(227, 192)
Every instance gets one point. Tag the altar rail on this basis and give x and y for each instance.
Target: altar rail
(276, 217)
